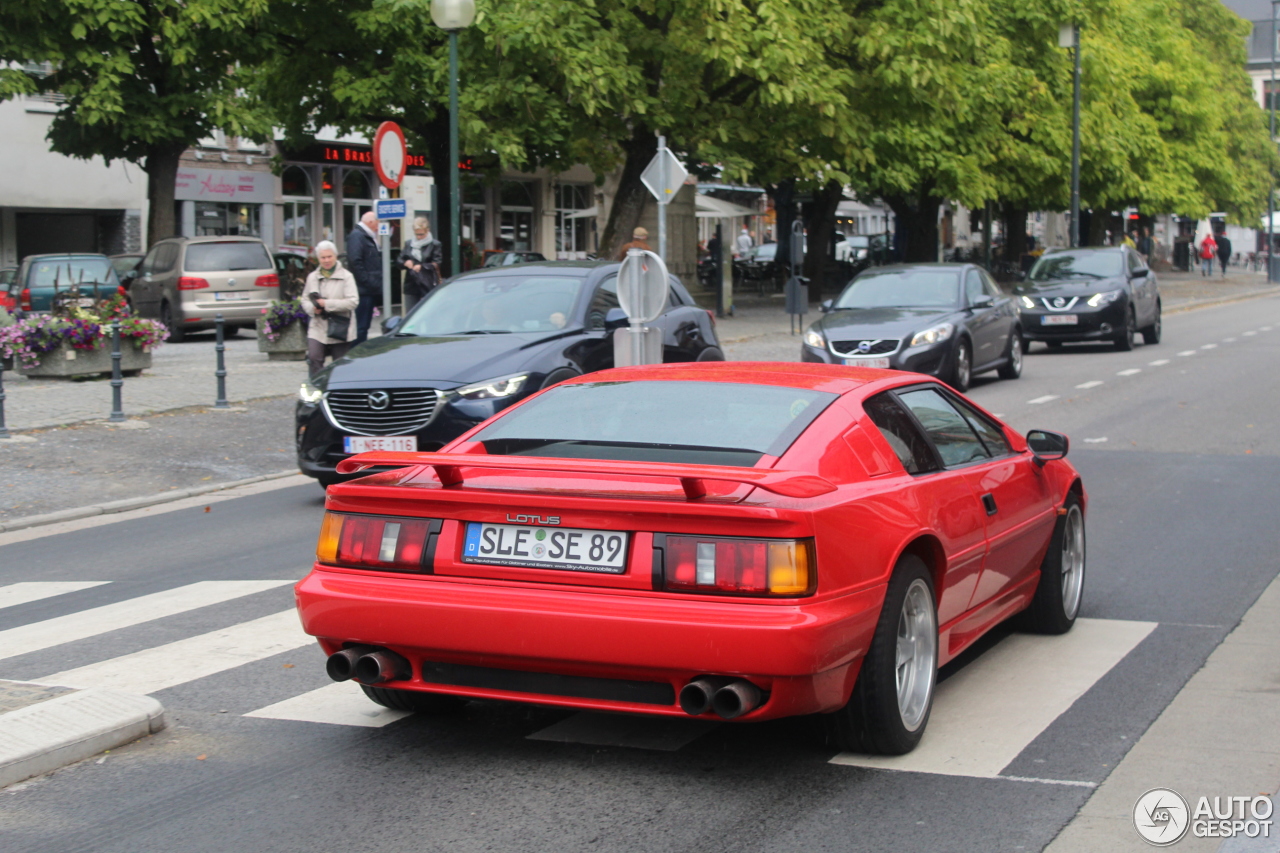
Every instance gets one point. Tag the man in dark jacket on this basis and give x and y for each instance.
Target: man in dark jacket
(365, 262)
(1224, 252)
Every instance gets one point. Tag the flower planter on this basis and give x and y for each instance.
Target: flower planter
(65, 362)
(291, 345)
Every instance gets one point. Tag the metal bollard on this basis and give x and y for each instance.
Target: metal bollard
(221, 372)
(117, 380)
(4, 431)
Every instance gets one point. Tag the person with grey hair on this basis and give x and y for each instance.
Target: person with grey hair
(365, 263)
(330, 296)
(421, 261)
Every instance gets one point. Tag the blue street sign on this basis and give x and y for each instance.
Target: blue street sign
(392, 208)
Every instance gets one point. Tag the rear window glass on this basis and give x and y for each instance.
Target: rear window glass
(902, 289)
(71, 272)
(705, 423)
(225, 257)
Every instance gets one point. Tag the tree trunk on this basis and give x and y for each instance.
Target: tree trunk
(916, 218)
(784, 210)
(161, 167)
(1096, 235)
(820, 260)
(1013, 221)
(628, 202)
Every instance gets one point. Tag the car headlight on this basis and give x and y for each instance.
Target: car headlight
(932, 336)
(1027, 302)
(1100, 299)
(309, 394)
(503, 386)
(814, 338)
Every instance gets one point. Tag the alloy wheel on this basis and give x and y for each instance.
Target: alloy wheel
(1072, 561)
(917, 654)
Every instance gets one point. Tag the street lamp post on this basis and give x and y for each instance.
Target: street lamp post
(1271, 189)
(452, 16)
(1069, 36)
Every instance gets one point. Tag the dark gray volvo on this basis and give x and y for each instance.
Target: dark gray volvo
(474, 346)
(945, 320)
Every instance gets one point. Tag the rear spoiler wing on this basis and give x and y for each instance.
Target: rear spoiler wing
(448, 467)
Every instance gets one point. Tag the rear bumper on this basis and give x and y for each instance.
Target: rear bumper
(1091, 324)
(804, 656)
(203, 314)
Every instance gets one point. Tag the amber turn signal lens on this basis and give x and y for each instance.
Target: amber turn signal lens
(790, 567)
(330, 533)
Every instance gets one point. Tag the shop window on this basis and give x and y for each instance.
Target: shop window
(355, 184)
(294, 181)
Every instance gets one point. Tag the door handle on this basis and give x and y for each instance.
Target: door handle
(989, 501)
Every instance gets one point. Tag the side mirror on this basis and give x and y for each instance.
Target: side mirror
(1047, 446)
(983, 302)
(827, 306)
(615, 319)
(1142, 273)
(390, 324)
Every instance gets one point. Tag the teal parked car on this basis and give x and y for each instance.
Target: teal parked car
(42, 278)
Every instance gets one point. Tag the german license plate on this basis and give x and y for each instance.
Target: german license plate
(568, 548)
(365, 443)
(230, 296)
(1059, 320)
(867, 362)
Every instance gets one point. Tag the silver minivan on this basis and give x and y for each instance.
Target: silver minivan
(185, 282)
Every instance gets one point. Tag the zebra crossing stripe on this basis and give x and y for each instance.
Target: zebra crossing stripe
(340, 704)
(124, 614)
(160, 667)
(26, 592)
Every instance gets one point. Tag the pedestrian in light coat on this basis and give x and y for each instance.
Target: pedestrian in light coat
(334, 290)
(744, 242)
(365, 263)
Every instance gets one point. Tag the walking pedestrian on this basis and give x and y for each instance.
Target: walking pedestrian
(1224, 251)
(1208, 249)
(639, 240)
(330, 296)
(744, 242)
(1144, 244)
(421, 260)
(364, 262)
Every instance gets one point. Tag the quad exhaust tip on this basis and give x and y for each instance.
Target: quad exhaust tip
(368, 665)
(729, 698)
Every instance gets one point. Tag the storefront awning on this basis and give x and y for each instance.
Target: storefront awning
(710, 207)
(586, 213)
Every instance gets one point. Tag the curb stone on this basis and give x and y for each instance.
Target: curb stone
(57, 727)
(133, 503)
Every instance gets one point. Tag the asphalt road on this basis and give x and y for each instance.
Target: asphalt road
(1182, 533)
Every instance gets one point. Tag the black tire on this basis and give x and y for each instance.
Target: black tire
(873, 720)
(555, 377)
(1056, 604)
(1151, 334)
(711, 354)
(1053, 344)
(177, 334)
(1026, 345)
(1012, 368)
(1124, 340)
(230, 331)
(961, 367)
(413, 701)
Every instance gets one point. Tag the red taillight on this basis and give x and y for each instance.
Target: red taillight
(188, 283)
(373, 542)
(738, 566)
(26, 299)
(271, 280)
(712, 315)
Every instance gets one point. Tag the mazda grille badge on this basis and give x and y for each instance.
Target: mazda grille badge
(379, 400)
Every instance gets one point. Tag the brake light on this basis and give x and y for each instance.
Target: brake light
(712, 315)
(26, 299)
(188, 283)
(271, 280)
(373, 542)
(739, 566)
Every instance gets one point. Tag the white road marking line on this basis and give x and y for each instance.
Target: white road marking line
(1130, 371)
(1049, 781)
(1228, 340)
(1046, 398)
(1187, 352)
(1264, 328)
(1248, 334)
(28, 591)
(1158, 362)
(664, 734)
(342, 703)
(1026, 682)
(171, 664)
(125, 614)
(1209, 346)
(1095, 440)
(1091, 384)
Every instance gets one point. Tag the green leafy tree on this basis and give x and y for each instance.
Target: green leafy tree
(142, 79)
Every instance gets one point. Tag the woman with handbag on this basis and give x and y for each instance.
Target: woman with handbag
(330, 297)
(421, 261)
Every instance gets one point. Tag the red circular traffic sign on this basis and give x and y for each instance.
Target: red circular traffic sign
(389, 154)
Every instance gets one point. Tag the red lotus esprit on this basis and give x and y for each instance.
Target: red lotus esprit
(731, 541)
